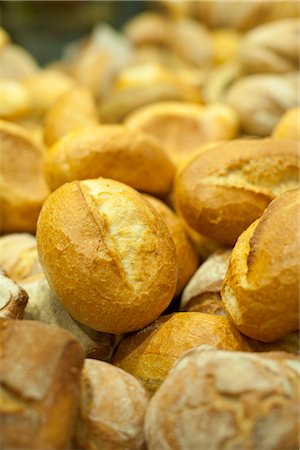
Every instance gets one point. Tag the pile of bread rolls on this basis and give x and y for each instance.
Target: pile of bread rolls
(150, 235)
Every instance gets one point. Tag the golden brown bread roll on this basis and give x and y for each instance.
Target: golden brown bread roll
(110, 151)
(113, 249)
(22, 184)
(202, 293)
(112, 409)
(44, 306)
(183, 127)
(39, 375)
(223, 190)
(186, 253)
(260, 100)
(13, 298)
(74, 109)
(214, 399)
(272, 47)
(288, 126)
(150, 353)
(18, 255)
(261, 287)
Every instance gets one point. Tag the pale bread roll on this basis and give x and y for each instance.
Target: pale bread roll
(288, 126)
(261, 287)
(110, 151)
(112, 408)
(107, 255)
(214, 399)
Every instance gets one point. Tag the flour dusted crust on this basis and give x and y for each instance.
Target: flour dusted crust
(39, 374)
(112, 408)
(13, 298)
(110, 151)
(150, 353)
(221, 400)
(107, 255)
(223, 190)
(261, 287)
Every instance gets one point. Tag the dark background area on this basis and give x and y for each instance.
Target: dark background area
(45, 27)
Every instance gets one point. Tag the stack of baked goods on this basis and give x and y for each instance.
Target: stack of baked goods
(150, 238)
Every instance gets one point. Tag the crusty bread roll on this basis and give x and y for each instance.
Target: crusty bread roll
(112, 409)
(150, 353)
(183, 127)
(272, 47)
(111, 151)
(223, 190)
(288, 126)
(44, 306)
(107, 255)
(13, 298)
(261, 287)
(186, 253)
(214, 399)
(260, 100)
(22, 184)
(18, 256)
(202, 293)
(76, 108)
(39, 374)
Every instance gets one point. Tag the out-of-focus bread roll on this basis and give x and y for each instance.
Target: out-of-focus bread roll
(16, 63)
(202, 293)
(186, 253)
(76, 108)
(13, 298)
(223, 190)
(113, 249)
(273, 47)
(4, 38)
(183, 127)
(148, 28)
(110, 151)
(15, 100)
(288, 126)
(261, 288)
(260, 100)
(112, 408)
(39, 374)
(215, 399)
(226, 42)
(22, 184)
(150, 353)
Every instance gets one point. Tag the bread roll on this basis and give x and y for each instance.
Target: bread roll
(44, 306)
(17, 63)
(18, 256)
(149, 354)
(22, 184)
(214, 399)
(183, 127)
(289, 343)
(13, 298)
(260, 100)
(272, 47)
(4, 38)
(288, 126)
(223, 190)
(113, 249)
(39, 375)
(261, 287)
(112, 409)
(202, 293)
(148, 28)
(226, 42)
(74, 109)
(186, 253)
(112, 152)
(15, 100)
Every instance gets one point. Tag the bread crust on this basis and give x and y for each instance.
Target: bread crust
(223, 190)
(261, 287)
(107, 255)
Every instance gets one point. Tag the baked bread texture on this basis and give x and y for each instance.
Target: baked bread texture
(112, 409)
(39, 374)
(214, 399)
(261, 287)
(223, 190)
(150, 353)
(13, 298)
(110, 151)
(107, 254)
